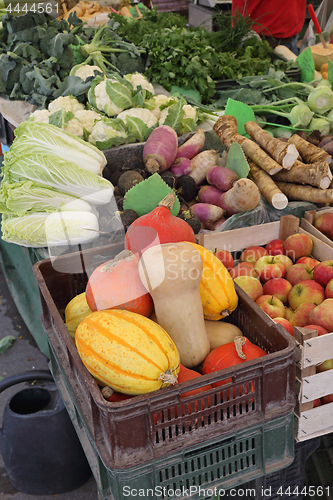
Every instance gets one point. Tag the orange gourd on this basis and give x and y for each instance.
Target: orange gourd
(116, 284)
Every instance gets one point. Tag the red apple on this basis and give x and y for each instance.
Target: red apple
(268, 268)
(252, 254)
(309, 261)
(301, 314)
(324, 224)
(284, 259)
(329, 289)
(226, 258)
(243, 269)
(298, 245)
(251, 286)
(299, 272)
(276, 247)
(286, 324)
(279, 287)
(306, 291)
(323, 273)
(271, 305)
(320, 329)
(322, 315)
(324, 400)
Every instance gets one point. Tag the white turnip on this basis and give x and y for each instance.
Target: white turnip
(181, 166)
(160, 149)
(207, 212)
(244, 195)
(192, 146)
(201, 163)
(221, 177)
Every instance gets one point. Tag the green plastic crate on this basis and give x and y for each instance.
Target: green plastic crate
(222, 463)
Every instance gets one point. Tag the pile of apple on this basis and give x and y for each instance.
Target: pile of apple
(290, 286)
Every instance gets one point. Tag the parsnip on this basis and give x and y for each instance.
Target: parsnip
(297, 192)
(309, 152)
(315, 174)
(267, 187)
(285, 154)
(226, 128)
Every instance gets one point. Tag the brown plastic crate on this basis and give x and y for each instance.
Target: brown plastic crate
(146, 427)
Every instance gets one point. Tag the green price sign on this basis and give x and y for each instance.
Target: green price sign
(306, 63)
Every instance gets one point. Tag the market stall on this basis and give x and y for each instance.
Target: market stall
(131, 149)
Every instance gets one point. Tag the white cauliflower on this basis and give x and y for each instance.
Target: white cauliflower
(74, 127)
(138, 79)
(87, 118)
(69, 103)
(190, 112)
(144, 114)
(103, 132)
(103, 101)
(159, 100)
(40, 115)
(86, 71)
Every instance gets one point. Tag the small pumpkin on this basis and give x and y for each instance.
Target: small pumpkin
(156, 227)
(76, 310)
(116, 284)
(217, 289)
(231, 354)
(127, 351)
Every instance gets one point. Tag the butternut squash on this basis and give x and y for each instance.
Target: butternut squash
(127, 351)
(172, 272)
(217, 289)
(76, 310)
(221, 332)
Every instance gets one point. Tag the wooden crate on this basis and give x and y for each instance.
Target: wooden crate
(310, 350)
(308, 221)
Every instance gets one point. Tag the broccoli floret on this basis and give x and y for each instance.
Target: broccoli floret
(26, 82)
(126, 63)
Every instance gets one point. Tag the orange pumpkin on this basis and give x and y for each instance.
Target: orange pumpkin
(116, 284)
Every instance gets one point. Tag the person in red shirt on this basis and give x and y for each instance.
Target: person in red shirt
(279, 21)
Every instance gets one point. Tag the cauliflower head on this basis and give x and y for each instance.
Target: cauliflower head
(190, 112)
(144, 114)
(87, 70)
(87, 118)
(157, 102)
(40, 115)
(103, 101)
(107, 133)
(74, 127)
(138, 79)
(69, 103)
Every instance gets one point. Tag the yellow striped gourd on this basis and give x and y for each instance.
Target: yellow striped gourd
(127, 351)
(76, 310)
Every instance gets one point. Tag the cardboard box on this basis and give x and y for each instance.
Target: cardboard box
(310, 350)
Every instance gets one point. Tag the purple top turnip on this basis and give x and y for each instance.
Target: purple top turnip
(160, 149)
(221, 177)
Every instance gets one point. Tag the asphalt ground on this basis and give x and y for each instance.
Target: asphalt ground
(22, 356)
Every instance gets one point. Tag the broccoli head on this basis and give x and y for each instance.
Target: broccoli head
(126, 63)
